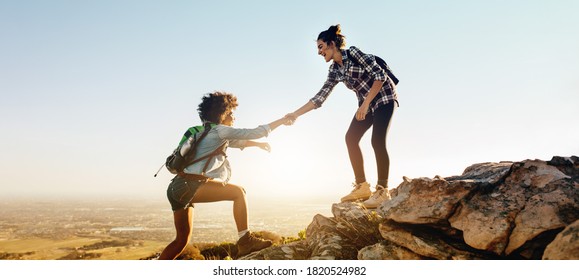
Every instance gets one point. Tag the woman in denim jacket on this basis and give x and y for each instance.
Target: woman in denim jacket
(208, 179)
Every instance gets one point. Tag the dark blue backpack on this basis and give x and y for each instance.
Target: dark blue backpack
(380, 62)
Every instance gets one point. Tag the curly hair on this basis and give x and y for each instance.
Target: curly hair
(215, 106)
(333, 34)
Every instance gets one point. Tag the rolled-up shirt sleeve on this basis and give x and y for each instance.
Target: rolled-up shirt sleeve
(238, 136)
(369, 63)
(325, 91)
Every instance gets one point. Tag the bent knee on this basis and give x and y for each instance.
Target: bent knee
(237, 191)
(352, 139)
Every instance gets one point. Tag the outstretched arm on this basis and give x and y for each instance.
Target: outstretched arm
(317, 100)
(302, 110)
(240, 138)
(273, 125)
(285, 120)
(262, 145)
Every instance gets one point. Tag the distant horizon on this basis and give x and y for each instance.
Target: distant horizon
(273, 195)
(80, 198)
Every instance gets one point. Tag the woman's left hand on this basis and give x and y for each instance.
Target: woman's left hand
(265, 147)
(362, 112)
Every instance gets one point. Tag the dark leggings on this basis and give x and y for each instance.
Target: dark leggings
(380, 122)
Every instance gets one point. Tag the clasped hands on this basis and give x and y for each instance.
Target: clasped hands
(290, 118)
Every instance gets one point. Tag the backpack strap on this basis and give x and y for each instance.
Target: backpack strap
(191, 156)
(380, 62)
(219, 150)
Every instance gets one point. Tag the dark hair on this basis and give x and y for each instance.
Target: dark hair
(333, 34)
(215, 106)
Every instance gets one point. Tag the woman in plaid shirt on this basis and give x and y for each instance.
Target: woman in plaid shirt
(376, 94)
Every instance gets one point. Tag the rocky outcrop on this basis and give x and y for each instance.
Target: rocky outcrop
(505, 210)
(565, 246)
(337, 238)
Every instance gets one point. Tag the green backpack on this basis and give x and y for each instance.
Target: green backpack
(184, 154)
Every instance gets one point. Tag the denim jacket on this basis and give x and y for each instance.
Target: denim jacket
(219, 167)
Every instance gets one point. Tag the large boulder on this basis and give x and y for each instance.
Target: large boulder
(534, 198)
(505, 210)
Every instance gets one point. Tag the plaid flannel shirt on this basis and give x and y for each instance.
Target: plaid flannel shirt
(359, 78)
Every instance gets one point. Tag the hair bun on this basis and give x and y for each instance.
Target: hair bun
(333, 34)
(335, 29)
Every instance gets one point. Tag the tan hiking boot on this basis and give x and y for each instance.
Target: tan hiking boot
(361, 191)
(380, 195)
(250, 243)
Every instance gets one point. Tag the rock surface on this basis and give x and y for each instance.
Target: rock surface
(505, 210)
(565, 246)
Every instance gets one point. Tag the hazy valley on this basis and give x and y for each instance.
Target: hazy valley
(114, 229)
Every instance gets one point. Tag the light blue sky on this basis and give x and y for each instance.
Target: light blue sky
(95, 94)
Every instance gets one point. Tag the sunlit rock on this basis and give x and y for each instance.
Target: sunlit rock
(425, 200)
(566, 244)
(505, 210)
(534, 198)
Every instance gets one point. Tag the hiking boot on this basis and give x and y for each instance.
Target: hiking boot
(361, 191)
(250, 243)
(380, 195)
